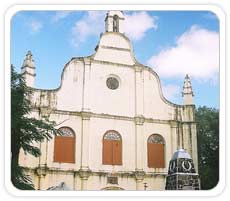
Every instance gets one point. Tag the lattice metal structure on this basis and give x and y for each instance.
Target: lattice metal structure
(156, 139)
(65, 132)
(112, 83)
(112, 135)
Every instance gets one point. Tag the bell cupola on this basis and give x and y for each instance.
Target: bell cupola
(114, 21)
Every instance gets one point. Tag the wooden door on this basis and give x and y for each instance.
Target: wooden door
(107, 157)
(117, 152)
(64, 149)
(156, 155)
(112, 152)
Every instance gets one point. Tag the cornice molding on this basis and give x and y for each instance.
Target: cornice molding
(88, 172)
(139, 120)
(115, 48)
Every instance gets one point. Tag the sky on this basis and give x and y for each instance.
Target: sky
(172, 43)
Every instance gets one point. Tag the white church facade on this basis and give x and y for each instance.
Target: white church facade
(119, 132)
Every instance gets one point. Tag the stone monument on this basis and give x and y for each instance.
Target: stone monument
(181, 173)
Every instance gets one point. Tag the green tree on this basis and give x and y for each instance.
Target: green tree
(25, 131)
(208, 146)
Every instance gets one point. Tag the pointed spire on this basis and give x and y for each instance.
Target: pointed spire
(28, 61)
(187, 93)
(28, 69)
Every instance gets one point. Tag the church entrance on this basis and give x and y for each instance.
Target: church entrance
(112, 188)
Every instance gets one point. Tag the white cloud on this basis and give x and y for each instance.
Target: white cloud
(138, 23)
(196, 53)
(35, 26)
(171, 91)
(92, 24)
(59, 15)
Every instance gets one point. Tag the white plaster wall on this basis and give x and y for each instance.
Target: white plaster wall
(103, 100)
(29, 79)
(99, 183)
(117, 102)
(28, 69)
(54, 179)
(45, 98)
(187, 113)
(114, 40)
(111, 55)
(96, 182)
(98, 127)
(69, 96)
(154, 106)
(156, 182)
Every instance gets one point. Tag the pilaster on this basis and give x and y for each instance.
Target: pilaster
(139, 121)
(187, 137)
(86, 85)
(41, 172)
(139, 90)
(174, 136)
(44, 153)
(139, 175)
(84, 174)
(85, 140)
(139, 118)
(194, 145)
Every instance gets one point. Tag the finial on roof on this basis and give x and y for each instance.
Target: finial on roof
(28, 61)
(28, 69)
(187, 93)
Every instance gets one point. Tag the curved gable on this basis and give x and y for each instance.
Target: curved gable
(114, 46)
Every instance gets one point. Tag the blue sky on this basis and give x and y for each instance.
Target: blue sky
(173, 43)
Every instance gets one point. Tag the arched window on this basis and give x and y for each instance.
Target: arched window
(115, 23)
(112, 149)
(156, 152)
(64, 146)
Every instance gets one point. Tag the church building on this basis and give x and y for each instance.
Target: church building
(118, 130)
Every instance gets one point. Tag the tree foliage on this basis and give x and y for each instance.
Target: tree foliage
(26, 131)
(208, 146)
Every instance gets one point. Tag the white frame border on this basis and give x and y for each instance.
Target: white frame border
(213, 8)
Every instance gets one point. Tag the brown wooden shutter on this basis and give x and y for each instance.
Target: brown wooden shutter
(117, 152)
(156, 155)
(64, 149)
(107, 156)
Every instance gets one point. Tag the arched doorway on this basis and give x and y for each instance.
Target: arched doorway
(156, 151)
(64, 146)
(112, 148)
(112, 188)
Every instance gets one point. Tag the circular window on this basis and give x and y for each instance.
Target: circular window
(112, 83)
